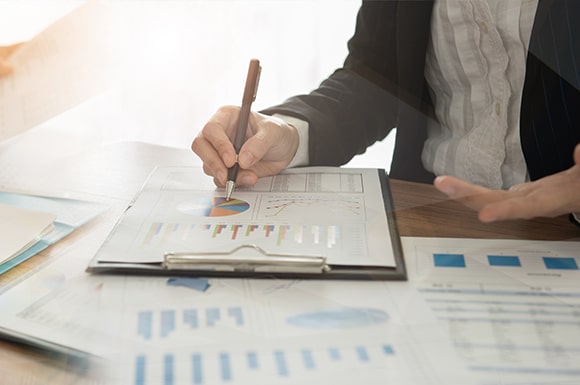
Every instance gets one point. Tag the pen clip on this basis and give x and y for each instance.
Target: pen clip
(227, 261)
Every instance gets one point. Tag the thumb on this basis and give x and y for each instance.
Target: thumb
(252, 151)
(577, 154)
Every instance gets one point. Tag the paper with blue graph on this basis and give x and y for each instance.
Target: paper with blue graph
(341, 217)
(295, 332)
(184, 330)
(512, 307)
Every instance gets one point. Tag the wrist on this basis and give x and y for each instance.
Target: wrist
(299, 148)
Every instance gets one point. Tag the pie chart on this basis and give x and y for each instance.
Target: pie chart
(214, 207)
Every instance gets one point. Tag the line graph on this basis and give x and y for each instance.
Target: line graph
(327, 205)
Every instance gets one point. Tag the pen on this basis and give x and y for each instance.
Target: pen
(250, 91)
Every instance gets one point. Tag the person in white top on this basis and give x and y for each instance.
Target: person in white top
(479, 86)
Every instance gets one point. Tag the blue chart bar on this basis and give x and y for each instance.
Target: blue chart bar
(560, 263)
(254, 363)
(168, 370)
(388, 350)
(140, 370)
(236, 312)
(281, 365)
(145, 324)
(167, 322)
(197, 371)
(449, 260)
(226, 369)
(212, 316)
(504, 260)
(362, 353)
(190, 318)
(308, 359)
(334, 354)
(252, 360)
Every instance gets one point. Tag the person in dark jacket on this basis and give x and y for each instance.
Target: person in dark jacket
(484, 95)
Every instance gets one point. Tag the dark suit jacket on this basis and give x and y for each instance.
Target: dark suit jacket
(382, 86)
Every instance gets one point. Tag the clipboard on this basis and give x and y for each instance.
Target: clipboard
(311, 223)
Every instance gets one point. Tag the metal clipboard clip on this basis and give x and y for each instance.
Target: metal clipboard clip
(264, 262)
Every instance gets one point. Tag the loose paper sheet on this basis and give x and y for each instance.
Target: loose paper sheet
(20, 228)
(512, 307)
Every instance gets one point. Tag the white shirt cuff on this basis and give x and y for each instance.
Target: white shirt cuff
(301, 157)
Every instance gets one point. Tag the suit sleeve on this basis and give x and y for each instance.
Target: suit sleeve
(357, 104)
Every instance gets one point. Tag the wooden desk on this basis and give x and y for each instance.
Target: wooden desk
(422, 211)
(114, 173)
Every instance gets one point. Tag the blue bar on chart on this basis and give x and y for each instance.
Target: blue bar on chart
(308, 359)
(362, 354)
(252, 360)
(334, 354)
(196, 369)
(190, 318)
(504, 260)
(167, 322)
(140, 373)
(256, 362)
(281, 366)
(388, 350)
(225, 368)
(145, 324)
(449, 260)
(212, 316)
(168, 371)
(560, 263)
(236, 313)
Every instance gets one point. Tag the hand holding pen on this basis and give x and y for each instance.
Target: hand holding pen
(270, 144)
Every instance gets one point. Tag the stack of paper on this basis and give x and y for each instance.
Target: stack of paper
(31, 223)
(20, 229)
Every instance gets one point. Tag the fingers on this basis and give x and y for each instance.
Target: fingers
(269, 147)
(214, 147)
(245, 178)
(492, 205)
(526, 206)
(547, 197)
(254, 149)
(469, 194)
(257, 145)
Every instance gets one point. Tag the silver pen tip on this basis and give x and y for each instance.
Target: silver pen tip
(230, 185)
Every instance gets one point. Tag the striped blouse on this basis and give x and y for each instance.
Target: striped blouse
(475, 69)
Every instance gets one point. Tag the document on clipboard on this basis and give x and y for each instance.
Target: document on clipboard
(313, 222)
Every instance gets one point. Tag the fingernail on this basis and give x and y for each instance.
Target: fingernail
(445, 188)
(245, 159)
(247, 180)
(448, 190)
(229, 159)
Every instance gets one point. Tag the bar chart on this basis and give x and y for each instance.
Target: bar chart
(162, 324)
(301, 238)
(258, 364)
